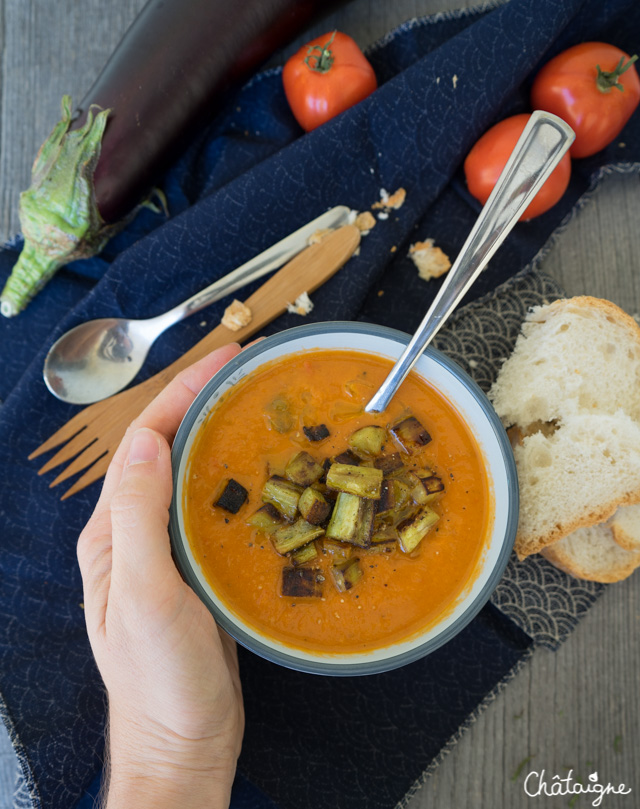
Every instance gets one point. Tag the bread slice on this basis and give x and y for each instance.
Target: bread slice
(591, 553)
(575, 355)
(576, 476)
(571, 391)
(625, 527)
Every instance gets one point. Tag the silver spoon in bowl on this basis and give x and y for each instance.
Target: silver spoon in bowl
(538, 151)
(100, 357)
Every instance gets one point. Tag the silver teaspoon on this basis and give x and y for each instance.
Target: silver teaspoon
(100, 357)
(538, 151)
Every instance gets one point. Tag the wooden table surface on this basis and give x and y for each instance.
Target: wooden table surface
(578, 707)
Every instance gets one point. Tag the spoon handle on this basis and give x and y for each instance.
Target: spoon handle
(275, 256)
(538, 151)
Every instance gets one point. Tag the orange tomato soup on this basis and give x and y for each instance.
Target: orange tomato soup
(399, 594)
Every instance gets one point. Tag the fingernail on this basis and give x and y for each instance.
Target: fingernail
(144, 447)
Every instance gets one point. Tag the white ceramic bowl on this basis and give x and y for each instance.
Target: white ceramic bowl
(477, 412)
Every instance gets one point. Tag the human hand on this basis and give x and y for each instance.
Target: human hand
(175, 706)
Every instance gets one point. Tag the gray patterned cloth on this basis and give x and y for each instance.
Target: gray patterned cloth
(542, 600)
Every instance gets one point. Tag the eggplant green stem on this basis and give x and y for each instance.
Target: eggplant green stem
(607, 79)
(322, 60)
(58, 213)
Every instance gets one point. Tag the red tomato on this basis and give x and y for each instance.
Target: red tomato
(594, 87)
(325, 77)
(489, 156)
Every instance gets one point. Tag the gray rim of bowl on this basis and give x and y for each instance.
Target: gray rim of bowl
(343, 669)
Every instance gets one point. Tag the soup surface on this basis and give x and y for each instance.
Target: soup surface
(252, 433)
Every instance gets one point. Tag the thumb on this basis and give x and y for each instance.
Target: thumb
(139, 513)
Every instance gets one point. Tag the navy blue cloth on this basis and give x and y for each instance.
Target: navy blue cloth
(250, 179)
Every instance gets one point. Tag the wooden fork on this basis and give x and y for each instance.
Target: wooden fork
(96, 431)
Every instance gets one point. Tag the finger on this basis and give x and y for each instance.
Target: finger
(141, 554)
(94, 560)
(165, 412)
(94, 544)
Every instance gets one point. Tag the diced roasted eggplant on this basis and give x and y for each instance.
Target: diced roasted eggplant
(344, 518)
(337, 550)
(381, 547)
(389, 463)
(313, 506)
(302, 582)
(283, 494)
(387, 498)
(290, 537)
(304, 554)
(383, 534)
(352, 520)
(368, 442)
(362, 481)
(425, 486)
(432, 486)
(317, 433)
(410, 434)
(232, 496)
(407, 512)
(303, 469)
(347, 457)
(279, 416)
(266, 519)
(411, 532)
(364, 528)
(346, 574)
(394, 494)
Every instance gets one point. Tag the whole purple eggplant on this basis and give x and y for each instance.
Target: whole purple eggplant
(170, 74)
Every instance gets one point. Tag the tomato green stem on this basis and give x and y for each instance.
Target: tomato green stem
(323, 59)
(607, 79)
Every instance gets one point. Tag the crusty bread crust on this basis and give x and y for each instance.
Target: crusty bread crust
(625, 527)
(589, 302)
(525, 546)
(592, 554)
(572, 355)
(576, 476)
(571, 390)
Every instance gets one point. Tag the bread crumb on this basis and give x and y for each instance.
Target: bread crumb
(454, 80)
(396, 200)
(318, 235)
(383, 215)
(384, 198)
(380, 293)
(430, 260)
(301, 306)
(364, 222)
(393, 249)
(236, 316)
(387, 201)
